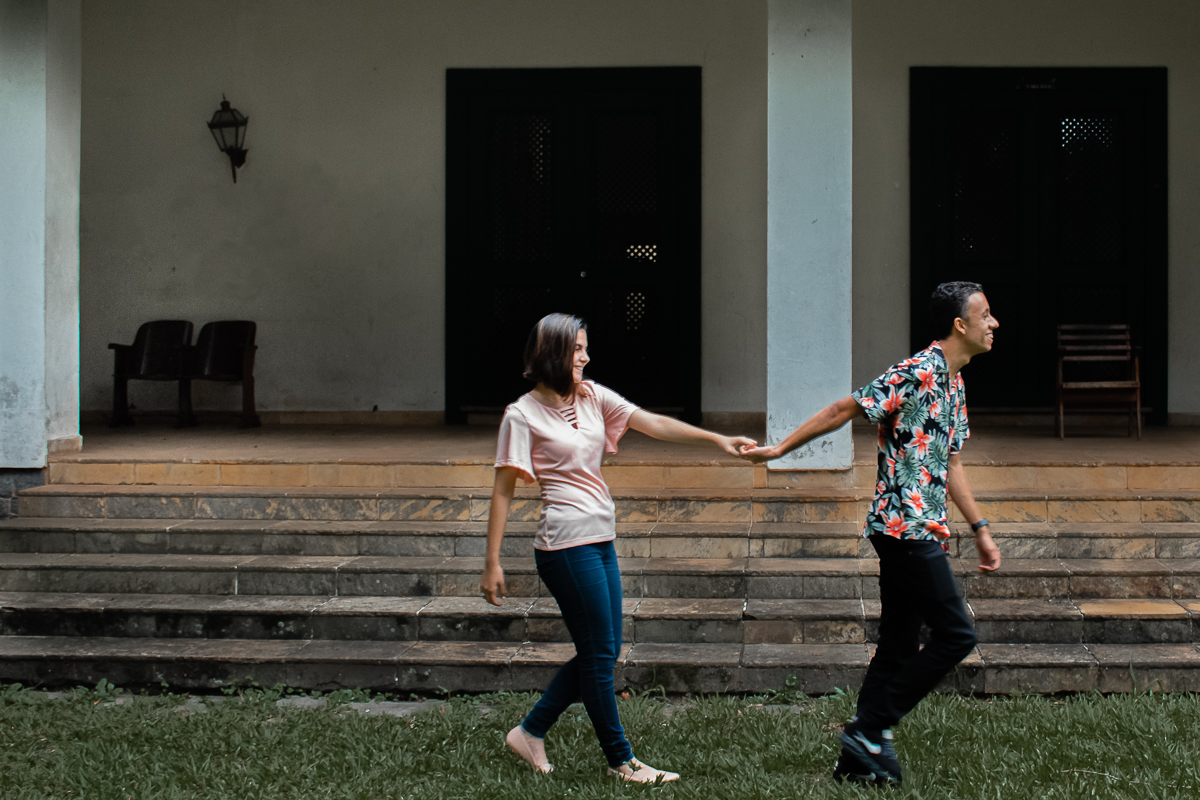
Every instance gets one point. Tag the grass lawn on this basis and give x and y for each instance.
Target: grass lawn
(81, 746)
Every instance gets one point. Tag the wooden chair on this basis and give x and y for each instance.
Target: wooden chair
(224, 351)
(157, 354)
(1099, 343)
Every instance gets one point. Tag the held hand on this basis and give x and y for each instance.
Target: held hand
(759, 454)
(735, 445)
(989, 554)
(492, 584)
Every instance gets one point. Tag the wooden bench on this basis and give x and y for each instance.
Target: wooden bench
(157, 354)
(224, 352)
(162, 350)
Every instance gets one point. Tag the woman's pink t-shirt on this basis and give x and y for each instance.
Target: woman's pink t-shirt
(539, 442)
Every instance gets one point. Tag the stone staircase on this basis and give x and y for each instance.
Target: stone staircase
(728, 587)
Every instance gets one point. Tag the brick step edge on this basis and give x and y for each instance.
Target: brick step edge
(379, 576)
(1130, 621)
(485, 492)
(742, 506)
(1165, 540)
(466, 666)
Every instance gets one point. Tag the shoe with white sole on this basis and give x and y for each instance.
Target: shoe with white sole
(850, 770)
(525, 745)
(637, 772)
(873, 750)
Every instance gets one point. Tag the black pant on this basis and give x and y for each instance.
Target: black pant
(915, 586)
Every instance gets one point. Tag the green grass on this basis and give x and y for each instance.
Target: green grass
(725, 747)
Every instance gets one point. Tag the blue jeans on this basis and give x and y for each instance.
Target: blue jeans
(587, 585)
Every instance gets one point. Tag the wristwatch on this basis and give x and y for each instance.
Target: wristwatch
(975, 526)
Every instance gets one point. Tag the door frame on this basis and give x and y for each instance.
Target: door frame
(928, 84)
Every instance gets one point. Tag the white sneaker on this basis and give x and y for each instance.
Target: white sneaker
(637, 772)
(522, 744)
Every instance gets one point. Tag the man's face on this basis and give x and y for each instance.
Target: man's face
(978, 327)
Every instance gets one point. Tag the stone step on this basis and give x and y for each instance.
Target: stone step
(1170, 540)
(531, 619)
(403, 576)
(525, 666)
(714, 474)
(633, 506)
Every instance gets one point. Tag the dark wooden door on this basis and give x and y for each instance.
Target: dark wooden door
(1047, 186)
(573, 190)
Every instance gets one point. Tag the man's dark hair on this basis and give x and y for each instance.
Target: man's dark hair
(550, 352)
(949, 302)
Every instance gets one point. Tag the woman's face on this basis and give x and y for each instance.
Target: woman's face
(581, 356)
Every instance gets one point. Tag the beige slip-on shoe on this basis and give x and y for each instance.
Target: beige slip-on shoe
(637, 772)
(527, 747)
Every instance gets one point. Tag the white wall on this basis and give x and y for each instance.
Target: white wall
(332, 239)
(889, 37)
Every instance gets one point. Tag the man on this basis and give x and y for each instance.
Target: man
(920, 408)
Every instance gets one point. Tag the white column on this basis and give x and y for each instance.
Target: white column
(64, 79)
(39, 237)
(809, 130)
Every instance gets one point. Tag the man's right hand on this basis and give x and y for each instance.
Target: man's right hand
(492, 584)
(759, 454)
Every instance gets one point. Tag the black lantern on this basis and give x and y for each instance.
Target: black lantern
(228, 127)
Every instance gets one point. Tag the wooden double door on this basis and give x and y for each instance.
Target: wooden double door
(576, 191)
(1047, 186)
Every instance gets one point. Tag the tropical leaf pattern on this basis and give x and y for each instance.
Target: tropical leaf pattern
(921, 412)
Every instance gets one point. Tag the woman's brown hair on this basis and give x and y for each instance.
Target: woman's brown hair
(550, 352)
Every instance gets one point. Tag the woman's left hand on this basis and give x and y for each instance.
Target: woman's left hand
(734, 444)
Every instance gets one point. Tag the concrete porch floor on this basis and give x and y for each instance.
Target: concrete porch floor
(156, 441)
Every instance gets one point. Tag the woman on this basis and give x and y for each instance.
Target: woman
(557, 435)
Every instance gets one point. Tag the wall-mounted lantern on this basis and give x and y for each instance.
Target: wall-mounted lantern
(228, 127)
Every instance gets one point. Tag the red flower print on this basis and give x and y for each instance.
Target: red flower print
(936, 528)
(895, 378)
(925, 476)
(891, 465)
(896, 526)
(914, 500)
(928, 379)
(935, 410)
(880, 487)
(893, 400)
(920, 441)
(867, 402)
(882, 440)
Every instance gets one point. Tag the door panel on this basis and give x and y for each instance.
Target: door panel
(1049, 188)
(574, 190)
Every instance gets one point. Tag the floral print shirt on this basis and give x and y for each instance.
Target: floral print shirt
(921, 412)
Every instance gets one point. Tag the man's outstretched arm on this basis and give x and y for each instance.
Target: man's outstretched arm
(827, 420)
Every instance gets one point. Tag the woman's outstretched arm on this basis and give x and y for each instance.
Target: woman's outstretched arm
(492, 582)
(669, 429)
